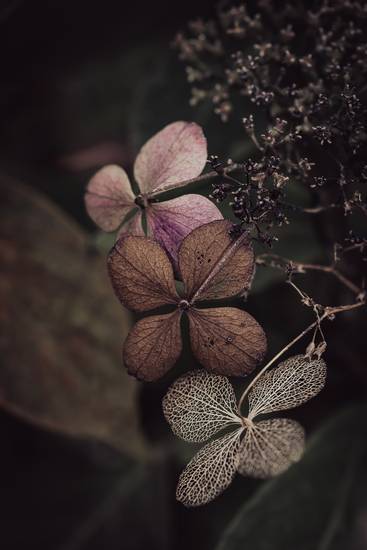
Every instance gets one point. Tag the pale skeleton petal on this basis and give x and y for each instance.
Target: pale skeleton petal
(292, 383)
(109, 197)
(172, 156)
(210, 471)
(269, 447)
(200, 404)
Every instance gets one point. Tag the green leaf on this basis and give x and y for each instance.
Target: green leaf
(315, 504)
(61, 327)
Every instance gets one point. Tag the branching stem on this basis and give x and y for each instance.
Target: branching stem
(328, 314)
(278, 262)
(204, 177)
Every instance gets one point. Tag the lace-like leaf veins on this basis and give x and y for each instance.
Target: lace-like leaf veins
(292, 383)
(213, 265)
(225, 340)
(199, 405)
(269, 447)
(210, 471)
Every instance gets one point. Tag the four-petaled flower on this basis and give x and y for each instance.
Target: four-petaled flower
(200, 404)
(212, 266)
(173, 156)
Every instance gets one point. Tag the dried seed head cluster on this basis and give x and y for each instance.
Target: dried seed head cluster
(300, 67)
(199, 405)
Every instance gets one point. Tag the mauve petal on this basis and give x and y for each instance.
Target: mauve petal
(175, 154)
(133, 226)
(170, 221)
(109, 197)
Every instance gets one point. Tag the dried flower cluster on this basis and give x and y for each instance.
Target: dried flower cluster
(309, 88)
(212, 266)
(170, 158)
(300, 69)
(199, 405)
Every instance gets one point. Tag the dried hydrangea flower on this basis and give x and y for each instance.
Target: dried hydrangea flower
(200, 404)
(168, 160)
(213, 265)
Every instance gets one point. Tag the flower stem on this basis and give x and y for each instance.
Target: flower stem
(328, 313)
(206, 176)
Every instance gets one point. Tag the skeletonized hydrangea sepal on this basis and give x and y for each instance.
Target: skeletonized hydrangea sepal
(289, 385)
(269, 447)
(200, 404)
(210, 472)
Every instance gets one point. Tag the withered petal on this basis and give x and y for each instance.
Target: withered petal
(141, 274)
(153, 346)
(213, 265)
(226, 340)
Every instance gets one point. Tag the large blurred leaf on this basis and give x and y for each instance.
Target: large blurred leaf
(317, 504)
(61, 326)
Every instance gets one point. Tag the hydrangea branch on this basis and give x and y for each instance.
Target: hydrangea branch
(329, 313)
(286, 265)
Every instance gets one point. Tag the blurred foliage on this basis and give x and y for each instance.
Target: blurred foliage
(61, 326)
(319, 502)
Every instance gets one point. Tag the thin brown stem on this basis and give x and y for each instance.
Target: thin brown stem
(207, 176)
(329, 313)
(278, 262)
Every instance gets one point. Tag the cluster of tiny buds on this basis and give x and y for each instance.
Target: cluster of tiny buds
(307, 113)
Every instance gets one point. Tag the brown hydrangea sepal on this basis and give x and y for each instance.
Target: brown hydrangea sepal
(213, 265)
(153, 346)
(226, 339)
(141, 274)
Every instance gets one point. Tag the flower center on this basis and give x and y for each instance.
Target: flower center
(183, 305)
(142, 201)
(246, 422)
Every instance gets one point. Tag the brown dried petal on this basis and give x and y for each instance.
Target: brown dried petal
(153, 346)
(226, 340)
(210, 471)
(169, 222)
(292, 383)
(199, 404)
(213, 265)
(270, 447)
(141, 274)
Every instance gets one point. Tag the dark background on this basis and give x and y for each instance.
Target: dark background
(84, 84)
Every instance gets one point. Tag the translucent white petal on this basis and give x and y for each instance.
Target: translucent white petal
(270, 447)
(210, 471)
(199, 404)
(292, 383)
